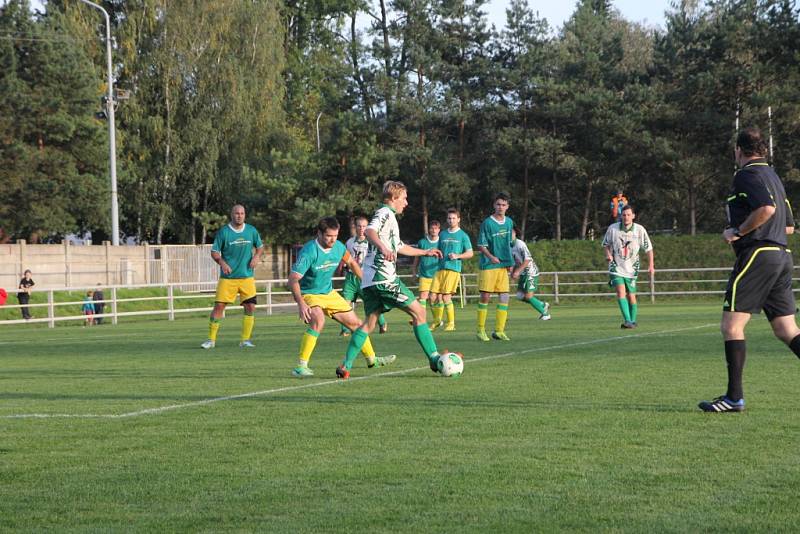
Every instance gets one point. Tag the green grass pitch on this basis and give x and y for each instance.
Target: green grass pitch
(573, 425)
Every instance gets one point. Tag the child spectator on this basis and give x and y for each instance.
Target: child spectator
(88, 308)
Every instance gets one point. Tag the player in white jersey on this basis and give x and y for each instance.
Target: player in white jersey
(357, 246)
(622, 243)
(381, 287)
(527, 273)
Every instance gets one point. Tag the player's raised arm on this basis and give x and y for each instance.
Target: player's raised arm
(408, 250)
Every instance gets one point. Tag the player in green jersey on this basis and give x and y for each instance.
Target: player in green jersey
(494, 244)
(456, 247)
(237, 249)
(425, 267)
(311, 284)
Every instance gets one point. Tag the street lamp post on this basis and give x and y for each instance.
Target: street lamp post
(112, 133)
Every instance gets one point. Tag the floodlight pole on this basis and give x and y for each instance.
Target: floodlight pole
(112, 133)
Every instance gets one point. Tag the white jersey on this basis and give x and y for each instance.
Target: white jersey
(625, 246)
(357, 250)
(520, 253)
(378, 270)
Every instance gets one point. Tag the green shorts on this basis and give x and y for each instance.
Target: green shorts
(383, 297)
(527, 284)
(352, 288)
(630, 283)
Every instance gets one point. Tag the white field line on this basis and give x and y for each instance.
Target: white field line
(171, 407)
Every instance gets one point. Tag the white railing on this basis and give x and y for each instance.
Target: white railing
(273, 296)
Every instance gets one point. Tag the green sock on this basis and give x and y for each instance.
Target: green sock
(634, 310)
(623, 307)
(425, 339)
(537, 304)
(381, 320)
(357, 341)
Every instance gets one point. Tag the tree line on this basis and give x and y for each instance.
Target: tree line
(302, 108)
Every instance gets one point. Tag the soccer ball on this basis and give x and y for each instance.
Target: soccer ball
(451, 364)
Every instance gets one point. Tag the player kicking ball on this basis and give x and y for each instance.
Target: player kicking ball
(382, 288)
(311, 284)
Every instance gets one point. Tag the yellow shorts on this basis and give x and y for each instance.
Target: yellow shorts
(445, 282)
(425, 284)
(331, 304)
(228, 288)
(493, 280)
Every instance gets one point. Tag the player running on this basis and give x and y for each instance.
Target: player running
(382, 288)
(237, 249)
(527, 273)
(311, 284)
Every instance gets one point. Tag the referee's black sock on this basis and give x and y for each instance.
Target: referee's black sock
(735, 352)
(795, 345)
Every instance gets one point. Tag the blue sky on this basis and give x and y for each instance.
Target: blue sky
(557, 12)
(650, 12)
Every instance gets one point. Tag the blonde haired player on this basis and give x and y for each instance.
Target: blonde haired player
(382, 288)
(237, 248)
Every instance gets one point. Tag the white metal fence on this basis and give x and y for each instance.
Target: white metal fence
(274, 297)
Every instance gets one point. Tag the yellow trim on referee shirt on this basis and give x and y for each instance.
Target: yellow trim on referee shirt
(753, 257)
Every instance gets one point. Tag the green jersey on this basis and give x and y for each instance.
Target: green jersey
(428, 265)
(456, 242)
(236, 248)
(496, 236)
(317, 265)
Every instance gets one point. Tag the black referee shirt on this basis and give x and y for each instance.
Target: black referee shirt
(756, 185)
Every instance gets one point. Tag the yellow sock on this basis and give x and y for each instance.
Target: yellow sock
(500, 318)
(438, 312)
(451, 313)
(247, 326)
(483, 311)
(367, 349)
(307, 344)
(213, 328)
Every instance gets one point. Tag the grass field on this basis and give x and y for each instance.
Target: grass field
(573, 425)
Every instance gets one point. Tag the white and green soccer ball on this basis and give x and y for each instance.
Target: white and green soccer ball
(451, 364)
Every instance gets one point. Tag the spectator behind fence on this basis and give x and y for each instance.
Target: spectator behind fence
(88, 309)
(99, 305)
(618, 202)
(24, 294)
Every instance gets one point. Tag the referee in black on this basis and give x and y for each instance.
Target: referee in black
(759, 217)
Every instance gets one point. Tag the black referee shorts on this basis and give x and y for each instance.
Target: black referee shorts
(761, 280)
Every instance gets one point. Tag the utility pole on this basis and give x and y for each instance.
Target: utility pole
(112, 133)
